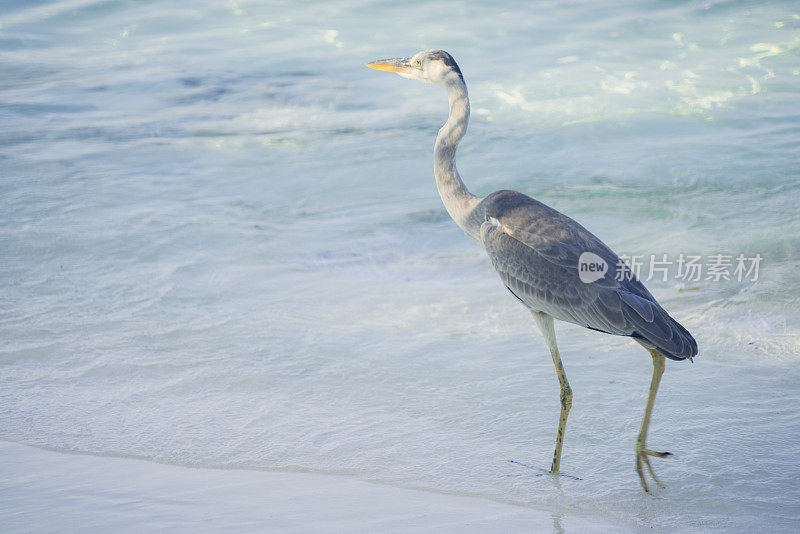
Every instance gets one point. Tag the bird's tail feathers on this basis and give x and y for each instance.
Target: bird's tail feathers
(655, 329)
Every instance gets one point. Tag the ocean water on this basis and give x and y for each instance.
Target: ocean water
(221, 244)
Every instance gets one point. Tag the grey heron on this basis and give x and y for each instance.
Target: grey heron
(539, 252)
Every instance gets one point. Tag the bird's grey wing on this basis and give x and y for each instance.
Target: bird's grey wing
(541, 274)
(536, 250)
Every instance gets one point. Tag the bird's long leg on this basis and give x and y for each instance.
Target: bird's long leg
(545, 323)
(642, 452)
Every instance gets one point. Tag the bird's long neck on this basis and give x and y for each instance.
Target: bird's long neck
(458, 201)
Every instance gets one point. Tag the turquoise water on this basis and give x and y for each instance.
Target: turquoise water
(221, 244)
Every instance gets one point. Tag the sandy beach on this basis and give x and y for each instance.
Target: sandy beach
(47, 491)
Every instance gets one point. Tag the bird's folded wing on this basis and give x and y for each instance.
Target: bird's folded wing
(537, 259)
(541, 269)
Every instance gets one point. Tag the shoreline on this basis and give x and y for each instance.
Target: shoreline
(46, 490)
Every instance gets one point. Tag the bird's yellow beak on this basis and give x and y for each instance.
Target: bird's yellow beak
(400, 65)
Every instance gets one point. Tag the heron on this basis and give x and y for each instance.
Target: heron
(552, 265)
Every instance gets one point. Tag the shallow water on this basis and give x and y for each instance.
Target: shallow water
(222, 244)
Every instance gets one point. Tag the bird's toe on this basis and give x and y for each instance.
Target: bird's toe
(642, 459)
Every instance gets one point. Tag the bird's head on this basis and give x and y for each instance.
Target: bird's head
(430, 66)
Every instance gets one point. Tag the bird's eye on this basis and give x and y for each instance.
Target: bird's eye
(418, 63)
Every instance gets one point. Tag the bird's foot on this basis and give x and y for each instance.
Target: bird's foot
(542, 471)
(642, 458)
